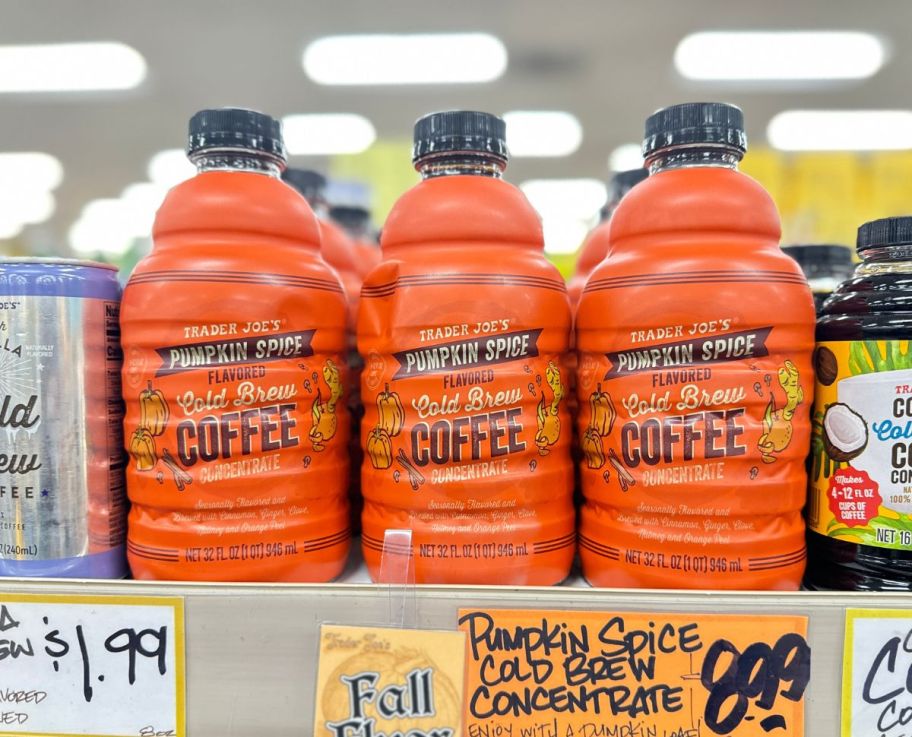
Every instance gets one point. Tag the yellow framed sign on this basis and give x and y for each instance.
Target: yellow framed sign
(97, 666)
(877, 673)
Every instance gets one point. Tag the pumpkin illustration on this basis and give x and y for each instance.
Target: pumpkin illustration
(142, 448)
(603, 411)
(380, 448)
(390, 411)
(153, 410)
(592, 448)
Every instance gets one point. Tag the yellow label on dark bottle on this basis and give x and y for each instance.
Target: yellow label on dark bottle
(861, 446)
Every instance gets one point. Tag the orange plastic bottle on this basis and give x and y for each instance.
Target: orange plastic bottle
(695, 382)
(595, 247)
(338, 249)
(355, 220)
(234, 344)
(462, 328)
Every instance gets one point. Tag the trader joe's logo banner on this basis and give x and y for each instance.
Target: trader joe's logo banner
(599, 674)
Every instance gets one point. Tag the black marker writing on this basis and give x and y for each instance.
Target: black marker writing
(884, 685)
(758, 673)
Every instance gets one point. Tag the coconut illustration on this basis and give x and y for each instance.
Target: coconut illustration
(845, 433)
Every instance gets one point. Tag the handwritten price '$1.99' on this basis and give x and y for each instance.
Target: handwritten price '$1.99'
(149, 643)
(758, 673)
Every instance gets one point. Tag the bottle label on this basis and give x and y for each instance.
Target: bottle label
(861, 446)
(62, 497)
(465, 426)
(236, 427)
(686, 430)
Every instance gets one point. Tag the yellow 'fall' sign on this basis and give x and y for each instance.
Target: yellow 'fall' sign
(379, 682)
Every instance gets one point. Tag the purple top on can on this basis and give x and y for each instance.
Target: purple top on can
(58, 278)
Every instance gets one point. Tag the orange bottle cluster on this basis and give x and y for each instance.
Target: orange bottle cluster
(258, 329)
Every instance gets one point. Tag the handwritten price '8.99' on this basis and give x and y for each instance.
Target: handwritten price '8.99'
(761, 673)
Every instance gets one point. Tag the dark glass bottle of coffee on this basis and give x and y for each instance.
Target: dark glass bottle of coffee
(860, 505)
(825, 266)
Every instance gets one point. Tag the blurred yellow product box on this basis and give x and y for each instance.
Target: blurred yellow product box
(889, 185)
(770, 169)
(385, 168)
(825, 198)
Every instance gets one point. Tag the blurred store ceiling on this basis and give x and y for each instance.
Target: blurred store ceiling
(608, 63)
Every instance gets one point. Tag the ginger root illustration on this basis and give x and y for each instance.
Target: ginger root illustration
(549, 426)
(324, 413)
(777, 423)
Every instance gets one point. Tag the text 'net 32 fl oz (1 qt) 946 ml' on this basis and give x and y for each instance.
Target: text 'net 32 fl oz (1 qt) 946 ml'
(695, 338)
(234, 376)
(462, 329)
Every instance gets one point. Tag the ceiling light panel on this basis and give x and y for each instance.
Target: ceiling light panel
(70, 67)
(841, 130)
(779, 55)
(170, 167)
(30, 170)
(566, 199)
(385, 59)
(323, 134)
(625, 157)
(544, 133)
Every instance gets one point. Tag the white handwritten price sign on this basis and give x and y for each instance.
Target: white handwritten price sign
(107, 666)
(877, 675)
(599, 674)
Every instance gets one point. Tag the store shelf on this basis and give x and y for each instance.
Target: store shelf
(251, 648)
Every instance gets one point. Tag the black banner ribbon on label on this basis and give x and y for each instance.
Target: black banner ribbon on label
(457, 355)
(687, 353)
(236, 352)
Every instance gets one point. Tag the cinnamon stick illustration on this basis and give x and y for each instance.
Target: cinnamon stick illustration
(415, 477)
(624, 477)
(181, 477)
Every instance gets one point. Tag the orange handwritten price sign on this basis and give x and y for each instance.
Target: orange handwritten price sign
(600, 674)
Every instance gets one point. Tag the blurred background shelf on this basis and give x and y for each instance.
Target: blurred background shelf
(606, 65)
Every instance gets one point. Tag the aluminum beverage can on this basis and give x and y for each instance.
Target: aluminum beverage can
(62, 459)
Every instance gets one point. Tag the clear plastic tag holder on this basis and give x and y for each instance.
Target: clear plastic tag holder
(398, 572)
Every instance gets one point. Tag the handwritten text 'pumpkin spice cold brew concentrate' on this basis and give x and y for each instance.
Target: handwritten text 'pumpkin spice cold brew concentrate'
(234, 374)
(695, 381)
(462, 329)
